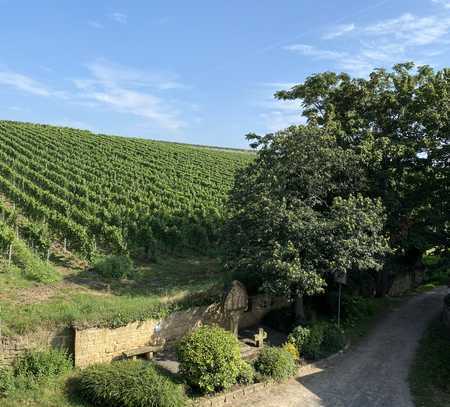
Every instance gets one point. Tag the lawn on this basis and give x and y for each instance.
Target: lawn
(84, 298)
(429, 376)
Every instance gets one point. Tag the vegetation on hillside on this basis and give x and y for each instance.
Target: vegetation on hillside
(112, 194)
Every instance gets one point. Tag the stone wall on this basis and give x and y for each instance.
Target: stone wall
(11, 347)
(96, 345)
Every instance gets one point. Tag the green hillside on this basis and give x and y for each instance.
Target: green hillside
(98, 193)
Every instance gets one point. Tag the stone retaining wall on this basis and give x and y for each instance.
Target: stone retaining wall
(96, 345)
(11, 347)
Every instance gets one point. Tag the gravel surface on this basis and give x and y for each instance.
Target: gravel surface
(371, 374)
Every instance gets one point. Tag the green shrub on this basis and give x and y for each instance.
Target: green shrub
(355, 308)
(114, 267)
(275, 363)
(312, 348)
(292, 349)
(129, 383)
(210, 359)
(333, 339)
(6, 381)
(246, 373)
(298, 337)
(38, 364)
(318, 340)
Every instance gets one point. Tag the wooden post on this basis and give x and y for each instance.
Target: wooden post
(10, 254)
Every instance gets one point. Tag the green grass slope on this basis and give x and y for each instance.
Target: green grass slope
(115, 194)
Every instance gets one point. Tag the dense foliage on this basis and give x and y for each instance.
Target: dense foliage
(6, 381)
(275, 363)
(317, 340)
(117, 194)
(114, 267)
(37, 364)
(129, 383)
(18, 252)
(293, 217)
(398, 124)
(210, 359)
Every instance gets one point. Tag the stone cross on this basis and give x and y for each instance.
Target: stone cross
(234, 304)
(259, 338)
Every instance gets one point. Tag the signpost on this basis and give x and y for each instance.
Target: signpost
(340, 279)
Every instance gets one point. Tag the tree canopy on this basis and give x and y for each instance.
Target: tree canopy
(398, 122)
(294, 217)
(368, 175)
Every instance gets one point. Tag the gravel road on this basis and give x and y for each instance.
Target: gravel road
(371, 374)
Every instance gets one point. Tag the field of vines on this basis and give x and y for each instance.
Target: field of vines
(97, 193)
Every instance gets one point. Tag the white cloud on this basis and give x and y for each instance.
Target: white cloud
(120, 18)
(339, 31)
(309, 50)
(126, 90)
(444, 3)
(95, 24)
(23, 83)
(384, 43)
(412, 30)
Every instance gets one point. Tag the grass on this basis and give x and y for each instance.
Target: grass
(84, 298)
(429, 376)
(54, 392)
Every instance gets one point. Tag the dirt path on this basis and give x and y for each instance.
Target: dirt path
(372, 374)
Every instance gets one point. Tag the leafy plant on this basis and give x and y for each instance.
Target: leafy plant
(298, 337)
(37, 364)
(292, 349)
(333, 339)
(6, 381)
(115, 267)
(275, 363)
(130, 384)
(210, 359)
(246, 373)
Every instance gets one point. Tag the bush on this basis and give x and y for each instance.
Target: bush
(298, 337)
(39, 364)
(333, 339)
(292, 349)
(114, 267)
(312, 348)
(318, 340)
(275, 363)
(210, 359)
(246, 373)
(355, 308)
(6, 381)
(129, 383)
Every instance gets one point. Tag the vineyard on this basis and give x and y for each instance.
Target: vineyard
(106, 194)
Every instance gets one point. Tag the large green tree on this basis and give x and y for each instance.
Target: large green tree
(398, 123)
(294, 216)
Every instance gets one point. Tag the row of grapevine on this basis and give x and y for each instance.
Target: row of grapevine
(116, 194)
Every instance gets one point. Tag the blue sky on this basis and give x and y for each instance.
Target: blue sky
(200, 71)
